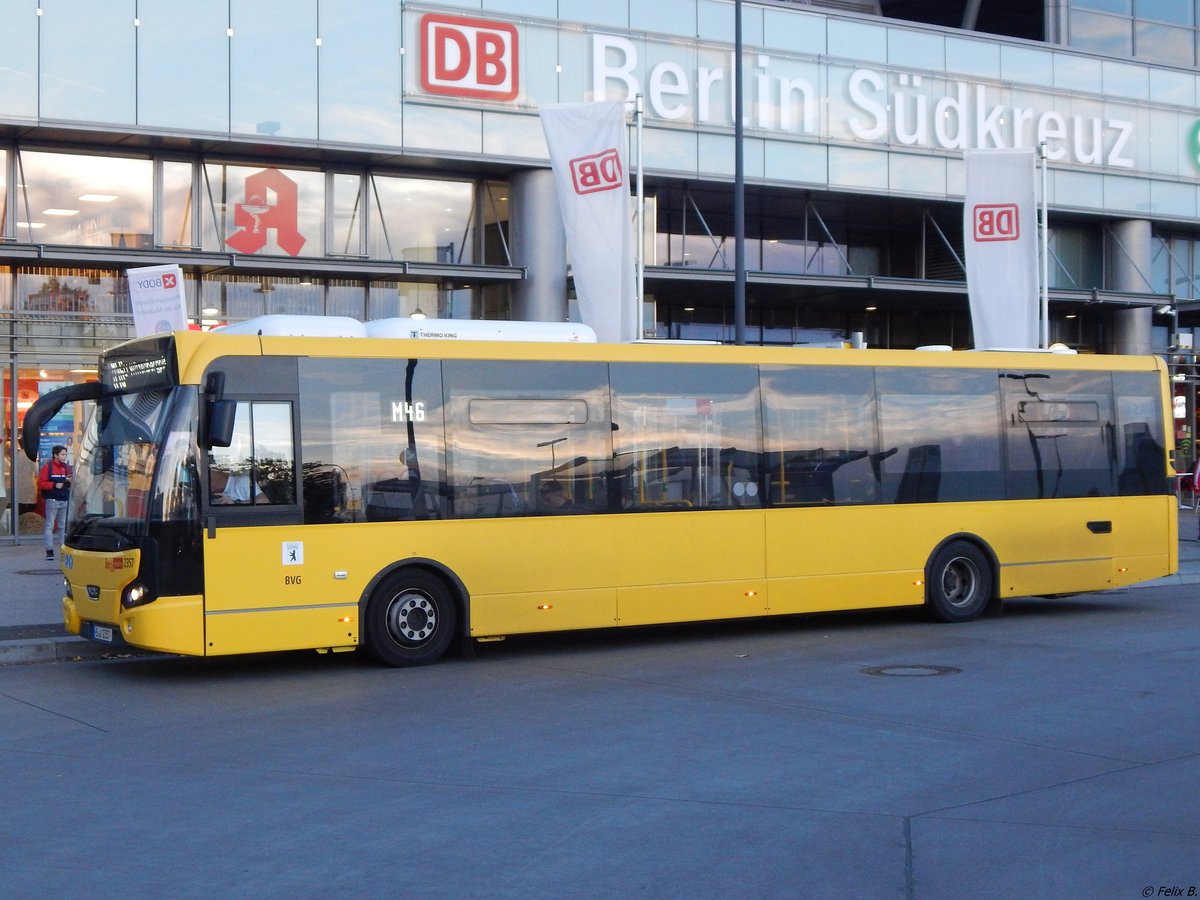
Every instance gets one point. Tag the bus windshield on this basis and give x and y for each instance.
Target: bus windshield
(127, 439)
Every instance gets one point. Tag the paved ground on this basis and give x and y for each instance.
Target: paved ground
(31, 590)
(1045, 754)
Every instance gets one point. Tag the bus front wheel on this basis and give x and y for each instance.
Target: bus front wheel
(410, 619)
(958, 582)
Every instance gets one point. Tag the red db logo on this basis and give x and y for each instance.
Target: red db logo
(997, 222)
(463, 57)
(598, 172)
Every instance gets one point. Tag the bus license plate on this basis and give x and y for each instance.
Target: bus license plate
(102, 633)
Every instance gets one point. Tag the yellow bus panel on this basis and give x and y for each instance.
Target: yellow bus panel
(169, 624)
(267, 630)
(561, 610)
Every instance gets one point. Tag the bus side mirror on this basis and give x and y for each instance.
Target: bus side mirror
(219, 412)
(218, 431)
(46, 406)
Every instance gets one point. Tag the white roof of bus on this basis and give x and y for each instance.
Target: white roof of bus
(297, 326)
(408, 328)
(480, 330)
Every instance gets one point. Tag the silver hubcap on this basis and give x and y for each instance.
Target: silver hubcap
(411, 617)
(959, 580)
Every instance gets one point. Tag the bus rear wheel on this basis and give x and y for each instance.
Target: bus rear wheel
(410, 619)
(958, 582)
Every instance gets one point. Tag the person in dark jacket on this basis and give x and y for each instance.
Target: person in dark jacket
(54, 480)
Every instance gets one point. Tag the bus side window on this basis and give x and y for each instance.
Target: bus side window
(689, 437)
(1059, 429)
(371, 446)
(942, 425)
(1142, 458)
(259, 465)
(820, 437)
(513, 427)
(274, 455)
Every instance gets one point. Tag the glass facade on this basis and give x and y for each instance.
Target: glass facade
(1160, 30)
(422, 220)
(835, 100)
(1175, 271)
(295, 214)
(89, 200)
(85, 200)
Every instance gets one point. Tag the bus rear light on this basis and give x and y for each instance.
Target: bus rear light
(136, 594)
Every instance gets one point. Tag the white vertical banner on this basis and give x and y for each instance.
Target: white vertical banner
(157, 299)
(1000, 237)
(587, 144)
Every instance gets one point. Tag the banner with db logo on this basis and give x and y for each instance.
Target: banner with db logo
(1000, 237)
(157, 298)
(587, 153)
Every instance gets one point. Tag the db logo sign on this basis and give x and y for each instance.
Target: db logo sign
(598, 172)
(463, 57)
(997, 222)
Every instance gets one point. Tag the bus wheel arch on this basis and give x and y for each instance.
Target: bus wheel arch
(960, 579)
(411, 613)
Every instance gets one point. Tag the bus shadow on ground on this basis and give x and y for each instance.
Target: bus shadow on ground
(876, 624)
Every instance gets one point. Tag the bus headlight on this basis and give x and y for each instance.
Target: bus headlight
(136, 594)
(67, 588)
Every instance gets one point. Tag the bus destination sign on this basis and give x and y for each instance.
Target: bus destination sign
(151, 368)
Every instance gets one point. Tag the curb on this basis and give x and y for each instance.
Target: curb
(60, 649)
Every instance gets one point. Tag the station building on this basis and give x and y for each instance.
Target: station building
(373, 159)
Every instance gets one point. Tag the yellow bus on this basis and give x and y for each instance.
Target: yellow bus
(240, 493)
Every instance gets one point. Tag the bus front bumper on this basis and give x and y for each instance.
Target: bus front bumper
(169, 625)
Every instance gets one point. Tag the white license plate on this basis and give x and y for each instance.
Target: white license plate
(102, 633)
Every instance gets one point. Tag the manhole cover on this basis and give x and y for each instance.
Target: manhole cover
(911, 671)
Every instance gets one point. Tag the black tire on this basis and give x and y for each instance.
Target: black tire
(410, 619)
(958, 583)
